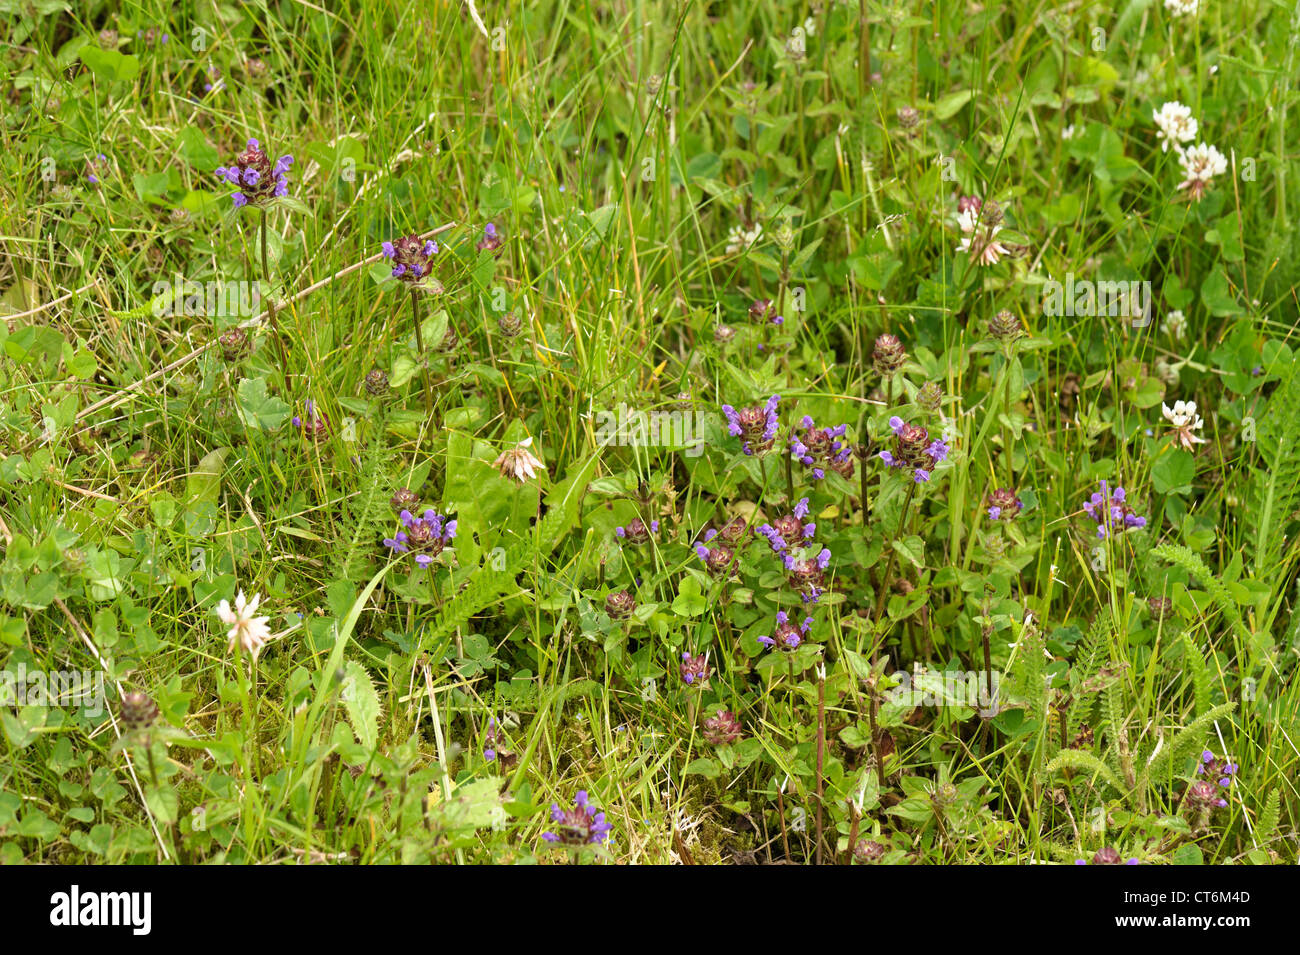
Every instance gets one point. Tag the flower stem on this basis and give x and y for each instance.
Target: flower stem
(270, 304)
(419, 347)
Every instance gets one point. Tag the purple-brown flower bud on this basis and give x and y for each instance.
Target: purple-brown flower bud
(722, 728)
(888, 355)
(620, 604)
(138, 711)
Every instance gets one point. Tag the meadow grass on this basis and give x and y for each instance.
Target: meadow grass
(199, 401)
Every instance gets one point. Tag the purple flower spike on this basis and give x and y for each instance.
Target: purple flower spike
(582, 825)
(258, 180)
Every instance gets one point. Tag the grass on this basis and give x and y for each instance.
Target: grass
(650, 170)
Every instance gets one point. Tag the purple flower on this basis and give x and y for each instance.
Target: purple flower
(1110, 510)
(756, 426)
(695, 670)
(821, 448)
(914, 450)
(259, 180)
(428, 536)
(636, 532)
(412, 257)
(491, 240)
(582, 825)
(787, 636)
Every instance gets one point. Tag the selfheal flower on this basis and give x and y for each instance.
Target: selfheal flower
(1213, 767)
(580, 826)
(636, 531)
(1107, 856)
(1175, 124)
(914, 450)
(403, 499)
(808, 575)
(491, 240)
(1185, 421)
(1201, 163)
(258, 179)
(412, 257)
(761, 310)
(138, 711)
(1111, 512)
(722, 728)
(246, 629)
(1003, 504)
(718, 558)
(787, 636)
(428, 536)
(820, 448)
(695, 670)
(314, 426)
(620, 604)
(888, 355)
(756, 426)
(733, 533)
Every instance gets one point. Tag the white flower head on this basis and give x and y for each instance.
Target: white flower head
(1185, 422)
(1201, 163)
(246, 630)
(1175, 324)
(1175, 124)
(1182, 8)
(980, 239)
(519, 462)
(740, 239)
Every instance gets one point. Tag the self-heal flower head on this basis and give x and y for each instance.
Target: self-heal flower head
(491, 240)
(582, 825)
(1107, 856)
(718, 558)
(247, 630)
(1201, 163)
(636, 532)
(787, 636)
(412, 257)
(1109, 508)
(756, 426)
(256, 177)
(914, 450)
(695, 670)
(1185, 422)
(427, 536)
(1175, 125)
(1220, 770)
(821, 448)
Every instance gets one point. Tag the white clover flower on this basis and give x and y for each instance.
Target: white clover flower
(1175, 325)
(1068, 132)
(1182, 8)
(1185, 422)
(980, 240)
(246, 630)
(1175, 124)
(740, 239)
(810, 27)
(519, 462)
(1201, 163)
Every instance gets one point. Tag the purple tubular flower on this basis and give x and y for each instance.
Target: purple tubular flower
(820, 448)
(412, 258)
(427, 535)
(258, 179)
(1109, 508)
(756, 426)
(787, 636)
(582, 825)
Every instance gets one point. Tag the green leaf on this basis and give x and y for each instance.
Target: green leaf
(361, 702)
(689, 602)
(110, 65)
(258, 410)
